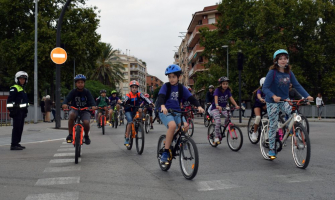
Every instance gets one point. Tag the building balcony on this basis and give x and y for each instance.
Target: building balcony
(199, 67)
(195, 52)
(193, 40)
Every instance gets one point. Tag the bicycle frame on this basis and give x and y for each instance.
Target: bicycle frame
(78, 123)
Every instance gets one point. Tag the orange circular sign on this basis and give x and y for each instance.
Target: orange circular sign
(58, 55)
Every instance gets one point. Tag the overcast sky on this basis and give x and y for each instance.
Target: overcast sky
(148, 28)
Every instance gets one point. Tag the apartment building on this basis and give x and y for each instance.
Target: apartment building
(152, 83)
(134, 69)
(189, 53)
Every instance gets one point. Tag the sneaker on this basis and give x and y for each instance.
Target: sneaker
(15, 148)
(254, 136)
(99, 126)
(126, 142)
(19, 145)
(217, 141)
(69, 138)
(164, 158)
(87, 140)
(272, 154)
(151, 127)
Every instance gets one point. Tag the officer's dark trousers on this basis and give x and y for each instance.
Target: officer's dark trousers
(18, 123)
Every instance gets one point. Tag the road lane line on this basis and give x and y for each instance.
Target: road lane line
(63, 146)
(62, 169)
(297, 178)
(57, 181)
(63, 154)
(69, 160)
(215, 185)
(54, 196)
(66, 149)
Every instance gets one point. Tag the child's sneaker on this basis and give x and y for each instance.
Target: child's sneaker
(126, 142)
(217, 141)
(254, 136)
(164, 158)
(272, 154)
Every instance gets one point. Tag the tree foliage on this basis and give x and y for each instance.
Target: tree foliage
(78, 37)
(305, 28)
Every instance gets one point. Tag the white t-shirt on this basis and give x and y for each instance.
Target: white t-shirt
(319, 101)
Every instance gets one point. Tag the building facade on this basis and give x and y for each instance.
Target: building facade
(152, 83)
(134, 69)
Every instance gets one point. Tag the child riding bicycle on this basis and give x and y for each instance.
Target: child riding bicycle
(114, 101)
(102, 102)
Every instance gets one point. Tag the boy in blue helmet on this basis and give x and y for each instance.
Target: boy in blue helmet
(79, 97)
(168, 98)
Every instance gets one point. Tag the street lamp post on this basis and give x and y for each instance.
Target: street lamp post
(226, 46)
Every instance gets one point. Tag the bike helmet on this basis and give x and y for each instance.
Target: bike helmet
(79, 77)
(21, 74)
(189, 88)
(146, 95)
(134, 82)
(223, 79)
(103, 91)
(279, 51)
(211, 87)
(113, 92)
(261, 82)
(173, 69)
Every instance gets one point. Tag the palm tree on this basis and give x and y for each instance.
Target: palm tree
(109, 70)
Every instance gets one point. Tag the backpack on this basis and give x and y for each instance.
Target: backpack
(168, 93)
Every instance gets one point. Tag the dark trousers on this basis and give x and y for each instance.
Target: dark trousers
(18, 123)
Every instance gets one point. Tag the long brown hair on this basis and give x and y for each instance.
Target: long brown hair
(229, 88)
(254, 92)
(276, 66)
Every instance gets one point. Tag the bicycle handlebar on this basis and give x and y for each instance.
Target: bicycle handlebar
(84, 108)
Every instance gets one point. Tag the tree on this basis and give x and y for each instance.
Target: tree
(95, 86)
(259, 28)
(79, 38)
(108, 69)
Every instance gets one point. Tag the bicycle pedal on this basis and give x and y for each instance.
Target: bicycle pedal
(69, 141)
(272, 157)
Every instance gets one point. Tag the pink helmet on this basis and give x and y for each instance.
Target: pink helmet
(146, 95)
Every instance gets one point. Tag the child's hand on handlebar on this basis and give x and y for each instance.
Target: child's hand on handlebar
(164, 110)
(200, 109)
(237, 107)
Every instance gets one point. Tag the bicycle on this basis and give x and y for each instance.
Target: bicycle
(136, 132)
(102, 120)
(207, 117)
(301, 146)
(183, 146)
(115, 118)
(121, 117)
(78, 134)
(189, 119)
(251, 126)
(234, 134)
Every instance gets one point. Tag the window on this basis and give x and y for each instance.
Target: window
(211, 20)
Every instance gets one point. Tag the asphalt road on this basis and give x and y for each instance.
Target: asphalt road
(107, 170)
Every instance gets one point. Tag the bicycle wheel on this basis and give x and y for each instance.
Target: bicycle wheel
(160, 150)
(189, 158)
(77, 144)
(264, 142)
(301, 146)
(130, 138)
(115, 119)
(304, 122)
(234, 138)
(250, 130)
(103, 124)
(211, 135)
(190, 128)
(147, 123)
(139, 138)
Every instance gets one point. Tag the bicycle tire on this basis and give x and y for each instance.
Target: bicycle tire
(190, 128)
(77, 144)
(297, 145)
(235, 136)
(251, 123)
(189, 171)
(147, 123)
(211, 135)
(102, 125)
(140, 138)
(115, 119)
(130, 138)
(160, 150)
(304, 122)
(264, 142)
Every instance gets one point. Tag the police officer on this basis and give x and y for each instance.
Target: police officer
(17, 104)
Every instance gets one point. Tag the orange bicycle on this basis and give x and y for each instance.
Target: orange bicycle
(102, 120)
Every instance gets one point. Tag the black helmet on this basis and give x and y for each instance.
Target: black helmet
(223, 79)
(102, 91)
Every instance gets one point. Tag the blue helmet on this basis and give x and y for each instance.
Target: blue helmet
(173, 69)
(279, 51)
(79, 77)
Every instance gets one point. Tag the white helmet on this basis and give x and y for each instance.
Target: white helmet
(261, 82)
(21, 74)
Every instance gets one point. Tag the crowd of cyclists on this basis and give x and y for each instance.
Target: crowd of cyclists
(279, 84)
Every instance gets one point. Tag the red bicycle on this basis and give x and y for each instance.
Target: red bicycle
(189, 116)
(102, 120)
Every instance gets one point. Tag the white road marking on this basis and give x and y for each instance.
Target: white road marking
(215, 185)
(63, 154)
(57, 181)
(296, 178)
(63, 146)
(62, 169)
(36, 142)
(66, 143)
(70, 160)
(54, 196)
(66, 149)
(58, 55)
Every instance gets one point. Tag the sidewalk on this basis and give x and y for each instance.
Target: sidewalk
(35, 133)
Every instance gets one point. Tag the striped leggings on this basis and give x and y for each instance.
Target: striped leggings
(273, 112)
(216, 115)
